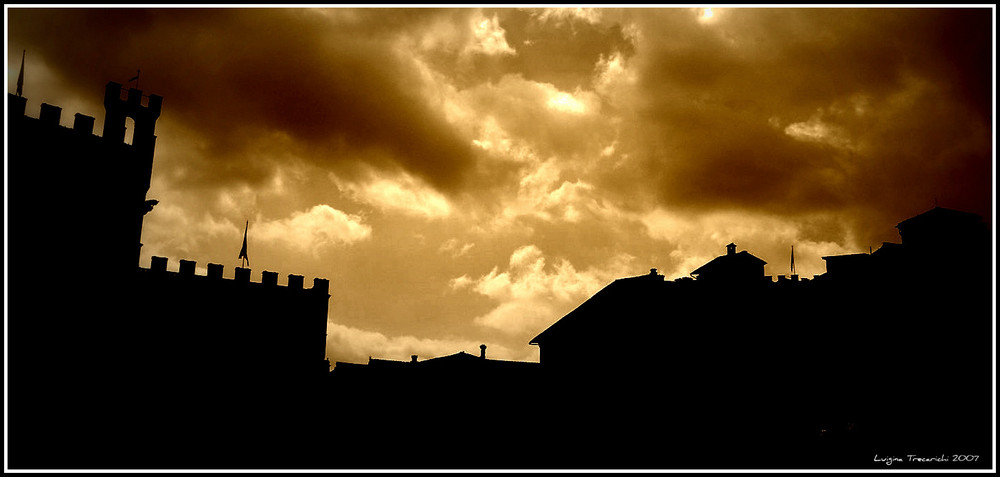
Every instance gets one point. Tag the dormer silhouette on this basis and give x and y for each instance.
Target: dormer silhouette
(117, 110)
(732, 267)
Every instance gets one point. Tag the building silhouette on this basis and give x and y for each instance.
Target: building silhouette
(425, 383)
(731, 267)
(165, 368)
(454, 411)
(730, 369)
(833, 371)
(114, 365)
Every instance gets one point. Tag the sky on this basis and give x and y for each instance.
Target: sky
(470, 175)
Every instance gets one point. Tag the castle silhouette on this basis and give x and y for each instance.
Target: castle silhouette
(115, 365)
(112, 365)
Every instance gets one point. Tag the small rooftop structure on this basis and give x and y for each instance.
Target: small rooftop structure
(732, 267)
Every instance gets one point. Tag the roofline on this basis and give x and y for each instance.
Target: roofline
(956, 211)
(846, 255)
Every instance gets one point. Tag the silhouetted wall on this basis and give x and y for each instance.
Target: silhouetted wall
(76, 203)
(888, 352)
(116, 366)
(234, 327)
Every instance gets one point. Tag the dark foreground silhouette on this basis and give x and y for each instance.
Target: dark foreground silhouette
(886, 356)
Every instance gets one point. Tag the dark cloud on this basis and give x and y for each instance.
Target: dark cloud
(234, 75)
(557, 51)
(715, 99)
(561, 52)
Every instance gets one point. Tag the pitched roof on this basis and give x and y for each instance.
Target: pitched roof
(728, 262)
(632, 290)
(939, 216)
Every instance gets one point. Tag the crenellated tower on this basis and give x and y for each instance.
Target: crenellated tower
(135, 348)
(120, 104)
(76, 191)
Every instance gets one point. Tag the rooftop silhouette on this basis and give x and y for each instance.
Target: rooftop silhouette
(887, 353)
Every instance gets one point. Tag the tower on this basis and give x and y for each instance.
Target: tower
(76, 203)
(133, 163)
(118, 109)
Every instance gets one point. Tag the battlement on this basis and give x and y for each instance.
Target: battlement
(131, 101)
(120, 104)
(269, 279)
(49, 115)
(117, 110)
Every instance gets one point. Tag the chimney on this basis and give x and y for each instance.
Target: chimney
(413, 358)
(731, 249)
(482, 351)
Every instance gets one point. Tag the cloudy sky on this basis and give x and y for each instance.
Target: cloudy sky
(469, 175)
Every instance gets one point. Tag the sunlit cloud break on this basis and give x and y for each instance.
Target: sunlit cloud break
(531, 293)
(491, 38)
(402, 193)
(313, 230)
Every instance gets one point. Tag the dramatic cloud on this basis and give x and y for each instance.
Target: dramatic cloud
(490, 38)
(312, 230)
(702, 238)
(402, 193)
(200, 230)
(836, 82)
(332, 84)
(530, 293)
(411, 155)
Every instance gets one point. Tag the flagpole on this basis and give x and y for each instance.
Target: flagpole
(793, 260)
(243, 251)
(135, 78)
(20, 76)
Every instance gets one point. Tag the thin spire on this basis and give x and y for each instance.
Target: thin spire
(20, 76)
